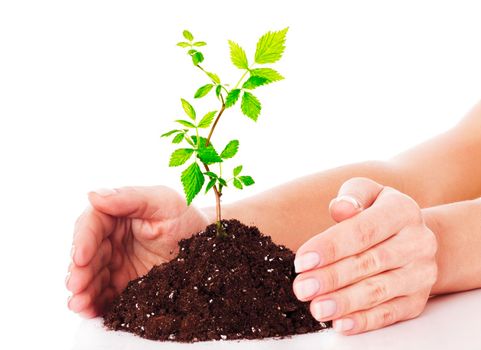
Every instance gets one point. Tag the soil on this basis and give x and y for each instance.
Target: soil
(218, 288)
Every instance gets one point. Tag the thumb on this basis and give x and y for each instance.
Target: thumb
(155, 202)
(354, 196)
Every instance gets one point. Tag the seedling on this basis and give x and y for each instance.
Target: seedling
(255, 73)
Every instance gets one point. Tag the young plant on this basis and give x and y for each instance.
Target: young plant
(190, 130)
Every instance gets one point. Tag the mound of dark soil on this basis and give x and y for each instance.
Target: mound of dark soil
(233, 287)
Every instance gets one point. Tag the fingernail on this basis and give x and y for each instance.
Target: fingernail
(349, 199)
(306, 261)
(323, 309)
(72, 252)
(343, 325)
(104, 192)
(67, 278)
(68, 301)
(306, 288)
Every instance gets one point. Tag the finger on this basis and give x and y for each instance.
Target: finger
(354, 195)
(86, 299)
(392, 311)
(81, 276)
(369, 292)
(386, 217)
(101, 305)
(157, 202)
(91, 228)
(395, 252)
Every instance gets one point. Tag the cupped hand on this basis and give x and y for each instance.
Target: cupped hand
(120, 237)
(375, 267)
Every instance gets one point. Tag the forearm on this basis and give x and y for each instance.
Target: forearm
(457, 227)
(295, 211)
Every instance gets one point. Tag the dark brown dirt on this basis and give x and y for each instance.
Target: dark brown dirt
(234, 287)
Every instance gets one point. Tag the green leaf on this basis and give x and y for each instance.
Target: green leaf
(238, 56)
(211, 174)
(207, 120)
(183, 44)
(191, 51)
(188, 35)
(232, 97)
(168, 133)
(210, 184)
(247, 180)
(267, 73)
(185, 123)
(222, 182)
(200, 43)
(180, 156)
(208, 155)
(237, 184)
(178, 138)
(230, 150)
(189, 110)
(203, 90)
(214, 77)
(197, 58)
(237, 170)
(250, 106)
(270, 47)
(218, 90)
(192, 179)
(254, 82)
(189, 140)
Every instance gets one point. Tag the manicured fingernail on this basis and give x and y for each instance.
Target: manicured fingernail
(72, 252)
(67, 278)
(323, 309)
(306, 261)
(343, 325)
(68, 301)
(104, 192)
(306, 288)
(349, 199)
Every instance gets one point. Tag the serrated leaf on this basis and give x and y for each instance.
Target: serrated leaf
(207, 120)
(222, 182)
(208, 155)
(189, 110)
(211, 174)
(250, 106)
(218, 90)
(214, 77)
(247, 180)
(183, 44)
(230, 150)
(188, 35)
(210, 184)
(200, 43)
(270, 47)
(197, 58)
(254, 82)
(180, 156)
(238, 56)
(238, 184)
(192, 180)
(178, 138)
(267, 73)
(203, 90)
(232, 97)
(185, 123)
(237, 170)
(168, 133)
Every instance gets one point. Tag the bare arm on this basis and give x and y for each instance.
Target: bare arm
(444, 169)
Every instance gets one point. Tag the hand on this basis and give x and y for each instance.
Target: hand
(119, 238)
(372, 269)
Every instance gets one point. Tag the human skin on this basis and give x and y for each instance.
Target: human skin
(368, 273)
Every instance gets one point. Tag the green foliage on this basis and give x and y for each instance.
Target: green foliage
(199, 150)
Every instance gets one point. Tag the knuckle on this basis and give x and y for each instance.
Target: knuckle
(330, 250)
(368, 262)
(388, 315)
(377, 292)
(367, 230)
(331, 279)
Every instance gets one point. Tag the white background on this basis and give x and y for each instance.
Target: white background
(87, 87)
